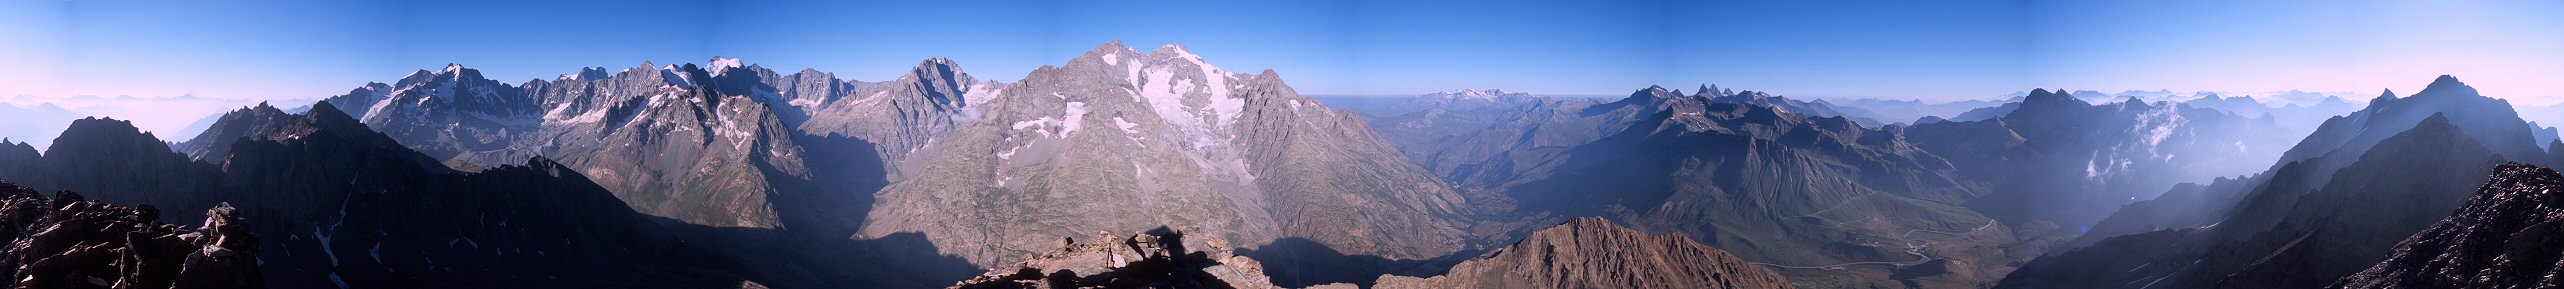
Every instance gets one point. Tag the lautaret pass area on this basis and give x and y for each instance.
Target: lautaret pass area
(1325, 144)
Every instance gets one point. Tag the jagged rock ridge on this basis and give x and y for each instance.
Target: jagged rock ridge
(2506, 236)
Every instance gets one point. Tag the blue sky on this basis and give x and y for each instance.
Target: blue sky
(1934, 50)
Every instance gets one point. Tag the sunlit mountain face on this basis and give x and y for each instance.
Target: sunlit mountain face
(1156, 144)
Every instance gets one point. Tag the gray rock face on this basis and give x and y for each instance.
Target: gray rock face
(1120, 140)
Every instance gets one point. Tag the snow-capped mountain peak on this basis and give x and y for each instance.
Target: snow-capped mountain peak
(719, 64)
(1477, 94)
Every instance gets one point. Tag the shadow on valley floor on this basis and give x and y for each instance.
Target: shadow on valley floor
(773, 258)
(1298, 262)
(843, 174)
(811, 250)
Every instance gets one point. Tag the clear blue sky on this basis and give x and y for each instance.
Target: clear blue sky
(1936, 50)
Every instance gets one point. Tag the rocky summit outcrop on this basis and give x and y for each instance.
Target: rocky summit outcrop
(68, 241)
(1593, 252)
(2510, 235)
(1154, 259)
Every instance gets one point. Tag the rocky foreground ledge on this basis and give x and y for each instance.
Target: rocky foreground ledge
(68, 241)
(1582, 253)
(1154, 259)
(2510, 235)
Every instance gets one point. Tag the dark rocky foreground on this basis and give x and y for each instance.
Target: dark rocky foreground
(69, 241)
(1590, 252)
(1155, 259)
(2510, 235)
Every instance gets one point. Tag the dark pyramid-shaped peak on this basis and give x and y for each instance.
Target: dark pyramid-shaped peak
(2447, 86)
(2436, 121)
(936, 68)
(2043, 97)
(2382, 98)
(940, 80)
(2132, 103)
(2445, 79)
(263, 123)
(1651, 96)
(102, 137)
(329, 113)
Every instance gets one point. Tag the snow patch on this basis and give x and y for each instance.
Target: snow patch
(557, 112)
(1076, 118)
(979, 93)
(675, 77)
(1113, 58)
(1036, 123)
(1020, 125)
(1127, 126)
(324, 246)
